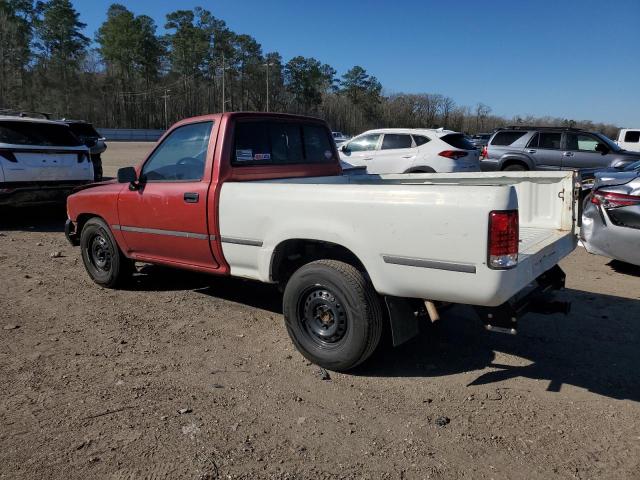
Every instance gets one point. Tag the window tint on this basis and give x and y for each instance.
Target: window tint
(420, 140)
(507, 138)
(361, 144)
(632, 137)
(181, 156)
(394, 140)
(83, 130)
(276, 143)
(457, 140)
(39, 134)
(549, 140)
(581, 142)
(533, 143)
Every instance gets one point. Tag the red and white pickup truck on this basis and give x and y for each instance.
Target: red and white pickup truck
(262, 196)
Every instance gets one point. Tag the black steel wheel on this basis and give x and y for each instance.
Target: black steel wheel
(333, 314)
(102, 258)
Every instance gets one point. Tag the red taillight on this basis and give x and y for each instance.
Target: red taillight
(484, 153)
(614, 200)
(455, 154)
(503, 239)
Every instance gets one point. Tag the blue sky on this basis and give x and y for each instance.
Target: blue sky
(577, 59)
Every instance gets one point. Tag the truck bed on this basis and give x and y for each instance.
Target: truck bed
(418, 235)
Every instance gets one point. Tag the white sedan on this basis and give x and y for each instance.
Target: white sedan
(404, 150)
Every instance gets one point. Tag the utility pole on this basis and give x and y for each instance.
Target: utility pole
(268, 65)
(224, 102)
(166, 115)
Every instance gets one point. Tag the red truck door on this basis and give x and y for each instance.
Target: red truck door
(166, 218)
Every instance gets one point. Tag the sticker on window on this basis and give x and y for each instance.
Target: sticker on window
(262, 156)
(244, 155)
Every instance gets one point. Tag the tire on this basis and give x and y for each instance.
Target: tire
(515, 167)
(103, 260)
(332, 314)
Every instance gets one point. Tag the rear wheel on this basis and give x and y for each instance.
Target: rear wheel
(515, 167)
(333, 314)
(102, 258)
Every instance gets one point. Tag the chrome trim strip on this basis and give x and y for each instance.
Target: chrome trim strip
(157, 231)
(115, 227)
(436, 264)
(241, 241)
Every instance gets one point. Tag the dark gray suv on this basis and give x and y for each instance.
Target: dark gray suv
(550, 148)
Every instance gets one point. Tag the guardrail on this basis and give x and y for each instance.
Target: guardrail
(130, 134)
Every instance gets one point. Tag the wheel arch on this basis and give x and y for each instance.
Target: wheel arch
(515, 160)
(291, 254)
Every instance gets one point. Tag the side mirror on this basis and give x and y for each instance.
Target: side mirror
(602, 148)
(344, 148)
(127, 175)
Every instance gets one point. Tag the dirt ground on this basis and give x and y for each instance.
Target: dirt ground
(93, 381)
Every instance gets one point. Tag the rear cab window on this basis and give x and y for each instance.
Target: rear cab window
(507, 138)
(37, 134)
(269, 142)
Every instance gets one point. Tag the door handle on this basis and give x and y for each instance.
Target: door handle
(568, 154)
(408, 156)
(368, 158)
(531, 151)
(191, 197)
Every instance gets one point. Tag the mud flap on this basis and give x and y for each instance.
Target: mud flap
(534, 298)
(404, 318)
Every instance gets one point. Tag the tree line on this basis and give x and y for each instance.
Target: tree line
(131, 76)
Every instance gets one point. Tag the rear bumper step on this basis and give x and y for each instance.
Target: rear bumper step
(535, 298)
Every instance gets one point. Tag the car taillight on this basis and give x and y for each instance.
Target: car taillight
(503, 239)
(614, 200)
(485, 152)
(455, 154)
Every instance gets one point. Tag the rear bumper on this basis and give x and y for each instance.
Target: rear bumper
(487, 165)
(20, 194)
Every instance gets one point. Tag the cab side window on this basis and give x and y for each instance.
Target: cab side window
(181, 156)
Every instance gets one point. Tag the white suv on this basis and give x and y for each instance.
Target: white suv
(41, 161)
(410, 150)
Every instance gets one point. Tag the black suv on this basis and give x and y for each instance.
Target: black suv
(92, 139)
(552, 148)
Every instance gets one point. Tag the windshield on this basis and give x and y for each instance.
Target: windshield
(608, 142)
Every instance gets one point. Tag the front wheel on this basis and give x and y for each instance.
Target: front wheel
(103, 260)
(333, 314)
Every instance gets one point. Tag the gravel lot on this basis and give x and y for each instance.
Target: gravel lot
(187, 376)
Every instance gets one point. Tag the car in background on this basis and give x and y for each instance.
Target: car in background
(629, 139)
(551, 148)
(480, 140)
(41, 161)
(92, 139)
(611, 216)
(339, 138)
(409, 150)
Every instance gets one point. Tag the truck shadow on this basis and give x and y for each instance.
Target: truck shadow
(33, 219)
(596, 347)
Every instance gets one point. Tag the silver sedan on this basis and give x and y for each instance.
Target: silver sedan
(611, 216)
